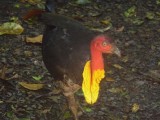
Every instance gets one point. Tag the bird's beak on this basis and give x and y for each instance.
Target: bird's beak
(116, 51)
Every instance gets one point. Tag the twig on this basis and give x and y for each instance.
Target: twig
(154, 77)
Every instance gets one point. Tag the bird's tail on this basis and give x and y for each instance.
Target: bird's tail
(33, 13)
(50, 6)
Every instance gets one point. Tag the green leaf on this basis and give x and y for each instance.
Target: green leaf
(17, 5)
(87, 109)
(11, 28)
(158, 2)
(14, 19)
(137, 21)
(67, 115)
(130, 12)
(37, 78)
(10, 114)
(27, 5)
(150, 15)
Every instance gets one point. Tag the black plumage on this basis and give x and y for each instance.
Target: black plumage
(66, 47)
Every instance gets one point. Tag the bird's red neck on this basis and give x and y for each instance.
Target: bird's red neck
(93, 73)
(96, 58)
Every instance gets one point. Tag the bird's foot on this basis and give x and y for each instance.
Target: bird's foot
(69, 88)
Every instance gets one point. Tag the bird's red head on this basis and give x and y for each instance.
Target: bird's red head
(104, 44)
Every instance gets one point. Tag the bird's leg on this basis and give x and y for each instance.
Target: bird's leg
(69, 88)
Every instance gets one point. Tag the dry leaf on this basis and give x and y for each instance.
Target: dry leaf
(125, 59)
(28, 53)
(37, 39)
(120, 29)
(11, 28)
(31, 86)
(109, 79)
(117, 66)
(101, 29)
(135, 107)
(116, 90)
(105, 22)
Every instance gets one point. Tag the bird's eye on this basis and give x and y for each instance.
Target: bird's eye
(104, 44)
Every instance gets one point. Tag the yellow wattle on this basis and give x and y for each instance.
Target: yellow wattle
(91, 81)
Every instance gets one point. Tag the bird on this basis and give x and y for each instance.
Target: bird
(73, 55)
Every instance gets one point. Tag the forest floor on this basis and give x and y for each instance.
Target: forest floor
(131, 90)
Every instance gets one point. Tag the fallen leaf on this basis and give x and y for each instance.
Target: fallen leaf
(11, 28)
(66, 115)
(106, 22)
(125, 59)
(130, 12)
(17, 5)
(102, 29)
(31, 86)
(117, 66)
(135, 107)
(109, 79)
(28, 53)
(37, 78)
(158, 2)
(37, 39)
(120, 29)
(87, 109)
(14, 19)
(150, 15)
(116, 90)
(137, 21)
